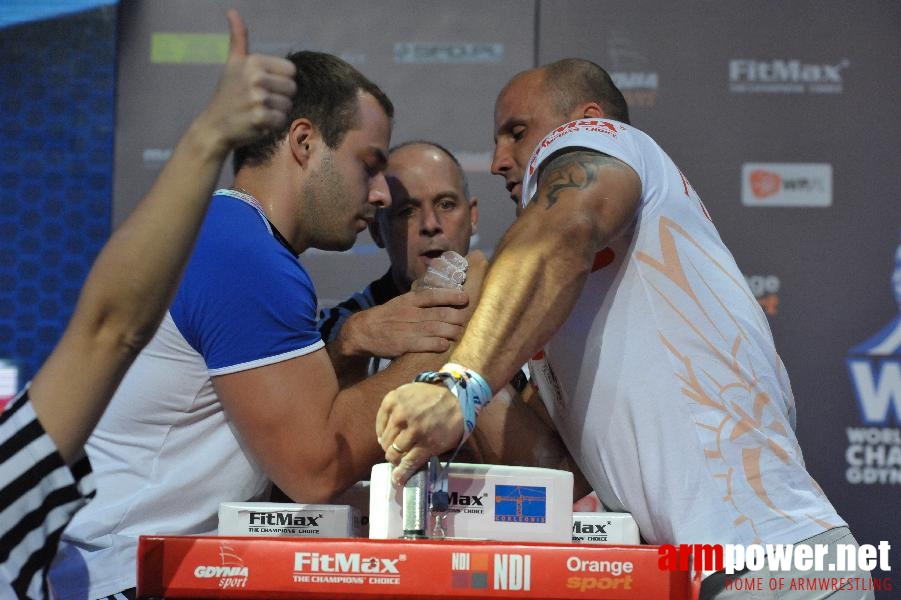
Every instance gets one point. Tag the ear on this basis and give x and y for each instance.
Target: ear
(474, 213)
(300, 135)
(591, 110)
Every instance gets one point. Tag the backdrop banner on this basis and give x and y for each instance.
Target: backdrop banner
(783, 116)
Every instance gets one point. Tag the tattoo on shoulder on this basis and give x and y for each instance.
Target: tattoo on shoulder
(577, 169)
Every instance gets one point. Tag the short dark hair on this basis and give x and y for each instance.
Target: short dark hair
(463, 180)
(574, 80)
(327, 90)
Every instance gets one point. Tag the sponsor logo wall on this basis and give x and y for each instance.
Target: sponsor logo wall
(790, 140)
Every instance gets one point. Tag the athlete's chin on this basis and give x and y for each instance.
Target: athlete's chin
(345, 244)
(338, 244)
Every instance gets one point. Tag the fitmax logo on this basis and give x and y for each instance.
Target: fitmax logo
(465, 500)
(785, 76)
(784, 71)
(284, 518)
(339, 562)
(589, 528)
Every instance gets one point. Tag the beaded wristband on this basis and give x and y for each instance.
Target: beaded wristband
(473, 394)
(470, 389)
(478, 390)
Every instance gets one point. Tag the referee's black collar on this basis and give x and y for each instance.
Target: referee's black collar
(384, 289)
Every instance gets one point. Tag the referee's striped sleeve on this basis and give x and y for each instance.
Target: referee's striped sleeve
(39, 493)
(331, 320)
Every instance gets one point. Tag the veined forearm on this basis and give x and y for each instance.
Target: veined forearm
(585, 199)
(353, 415)
(530, 288)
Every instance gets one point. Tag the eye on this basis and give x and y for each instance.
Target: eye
(518, 132)
(446, 204)
(404, 212)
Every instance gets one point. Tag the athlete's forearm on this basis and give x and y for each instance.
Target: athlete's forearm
(533, 282)
(350, 425)
(585, 199)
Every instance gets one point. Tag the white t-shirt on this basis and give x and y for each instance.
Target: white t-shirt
(664, 382)
(165, 453)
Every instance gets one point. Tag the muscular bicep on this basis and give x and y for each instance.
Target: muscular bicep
(589, 185)
(280, 413)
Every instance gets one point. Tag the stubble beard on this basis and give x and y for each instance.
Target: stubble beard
(323, 197)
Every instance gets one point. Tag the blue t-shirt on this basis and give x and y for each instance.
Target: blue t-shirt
(245, 299)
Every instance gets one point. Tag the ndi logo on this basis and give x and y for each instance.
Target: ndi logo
(513, 572)
(520, 504)
(423, 53)
(469, 570)
(874, 452)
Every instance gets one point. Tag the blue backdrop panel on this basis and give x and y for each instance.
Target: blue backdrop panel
(56, 89)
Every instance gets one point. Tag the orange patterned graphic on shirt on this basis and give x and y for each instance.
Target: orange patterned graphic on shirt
(732, 385)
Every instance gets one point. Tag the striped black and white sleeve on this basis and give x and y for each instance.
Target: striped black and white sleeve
(331, 320)
(39, 493)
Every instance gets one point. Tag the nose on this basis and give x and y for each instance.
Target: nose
(429, 223)
(502, 161)
(379, 194)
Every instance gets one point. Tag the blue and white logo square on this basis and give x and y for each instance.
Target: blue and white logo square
(520, 504)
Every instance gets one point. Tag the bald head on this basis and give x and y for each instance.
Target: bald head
(570, 82)
(430, 211)
(419, 150)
